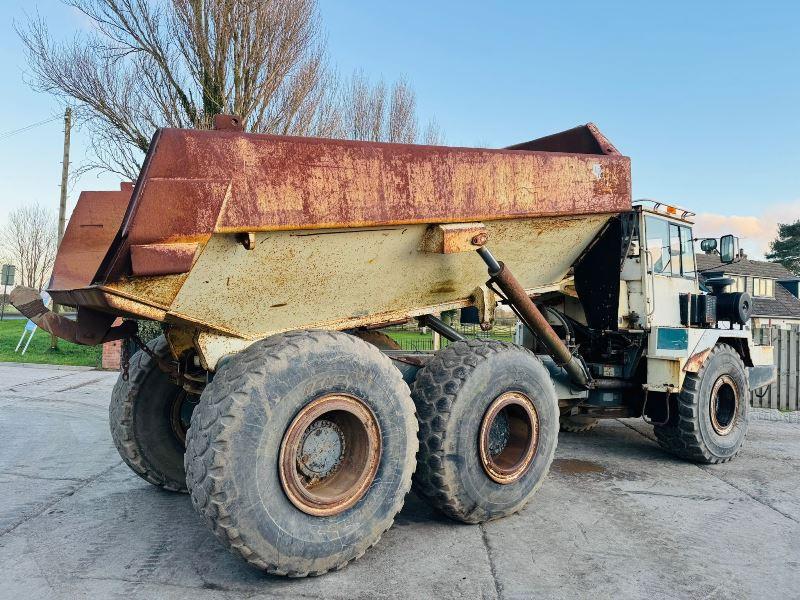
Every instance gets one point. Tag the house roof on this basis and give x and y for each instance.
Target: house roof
(745, 266)
(784, 304)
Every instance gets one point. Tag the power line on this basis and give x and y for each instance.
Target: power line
(8, 134)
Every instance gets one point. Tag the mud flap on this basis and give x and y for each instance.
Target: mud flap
(761, 376)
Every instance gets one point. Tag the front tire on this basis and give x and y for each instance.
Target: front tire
(708, 419)
(301, 450)
(488, 429)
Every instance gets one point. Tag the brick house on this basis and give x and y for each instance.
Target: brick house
(773, 287)
(112, 353)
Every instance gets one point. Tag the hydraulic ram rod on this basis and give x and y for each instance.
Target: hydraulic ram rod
(534, 319)
(440, 327)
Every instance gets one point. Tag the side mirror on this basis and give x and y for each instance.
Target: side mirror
(708, 245)
(728, 248)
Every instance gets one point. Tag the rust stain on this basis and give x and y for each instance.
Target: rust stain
(159, 291)
(454, 237)
(696, 361)
(195, 183)
(444, 289)
(163, 259)
(197, 187)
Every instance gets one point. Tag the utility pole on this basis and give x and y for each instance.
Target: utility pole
(62, 207)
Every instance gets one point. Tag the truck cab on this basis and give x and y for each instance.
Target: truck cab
(660, 265)
(658, 342)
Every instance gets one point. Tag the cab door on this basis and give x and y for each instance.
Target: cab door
(670, 269)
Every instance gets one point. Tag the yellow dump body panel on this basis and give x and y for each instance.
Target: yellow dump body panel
(342, 278)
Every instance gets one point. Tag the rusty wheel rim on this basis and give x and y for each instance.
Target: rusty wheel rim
(724, 405)
(329, 455)
(509, 437)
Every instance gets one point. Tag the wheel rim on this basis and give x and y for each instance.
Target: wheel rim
(329, 455)
(724, 405)
(508, 438)
(181, 414)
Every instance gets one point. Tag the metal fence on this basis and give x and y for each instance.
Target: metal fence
(785, 393)
(412, 338)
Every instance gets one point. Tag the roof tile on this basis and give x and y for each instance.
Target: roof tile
(746, 266)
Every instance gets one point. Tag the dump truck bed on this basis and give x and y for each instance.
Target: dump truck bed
(246, 235)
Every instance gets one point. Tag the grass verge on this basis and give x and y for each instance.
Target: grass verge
(39, 350)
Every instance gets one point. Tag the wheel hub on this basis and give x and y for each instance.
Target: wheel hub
(508, 437)
(181, 410)
(498, 434)
(321, 450)
(330, 454)
(724, 405)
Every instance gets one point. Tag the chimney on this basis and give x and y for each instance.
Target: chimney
(742, 255)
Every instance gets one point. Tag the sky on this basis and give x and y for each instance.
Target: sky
(703, 96)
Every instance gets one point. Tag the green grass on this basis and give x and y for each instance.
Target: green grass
(413, 339)
(407, 336)
(39, 350)
(73, 354)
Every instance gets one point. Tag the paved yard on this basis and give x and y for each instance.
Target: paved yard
(616, 518)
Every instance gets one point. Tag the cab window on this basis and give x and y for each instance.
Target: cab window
(658, 245)
(688, 268)
(674, 249)
(670, 248)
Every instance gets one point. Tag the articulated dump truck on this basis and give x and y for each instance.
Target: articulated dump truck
(272, 264)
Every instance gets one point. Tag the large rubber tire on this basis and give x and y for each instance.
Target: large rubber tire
(689, 432)
(577, 423)
(141, 422)
(233, 450)
(452, 393)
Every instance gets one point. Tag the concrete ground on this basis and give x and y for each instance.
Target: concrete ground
(615, 518)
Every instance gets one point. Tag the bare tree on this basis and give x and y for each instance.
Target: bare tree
(29, 241)
(377, 113)
(176, 63)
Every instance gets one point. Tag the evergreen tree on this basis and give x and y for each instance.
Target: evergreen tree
(786, 247)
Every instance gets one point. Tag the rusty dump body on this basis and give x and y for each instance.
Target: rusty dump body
(230, 236)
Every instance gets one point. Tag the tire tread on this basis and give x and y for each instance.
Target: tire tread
(434, 391)
(121, 408)
(221, 409)
(682, 436)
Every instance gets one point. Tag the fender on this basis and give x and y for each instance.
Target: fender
(739, 339)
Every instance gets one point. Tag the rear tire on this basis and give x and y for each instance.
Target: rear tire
(469, 477)
(142, 415)
(577, 423)
(708, 419)
(241, 472)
